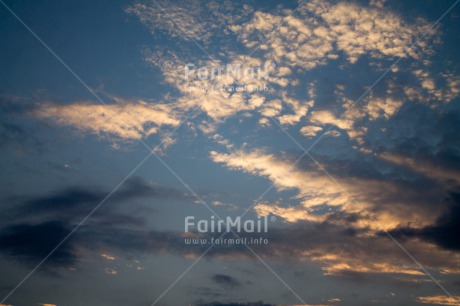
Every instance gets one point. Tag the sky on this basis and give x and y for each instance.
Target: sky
(130, 129)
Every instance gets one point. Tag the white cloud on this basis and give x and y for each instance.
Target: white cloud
(323, 29)
(386, 108)
(441, 88)
(321, 32)
(377, 3)
(125, 119)
(290, 214)
(310, 130)
(317, 191)
(264, 122)
(177, 20)
(190, 20)
(224, 94)
(166, 141)
(346, 121)
(280, 173)
(271, 109)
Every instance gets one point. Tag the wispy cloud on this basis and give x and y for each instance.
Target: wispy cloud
(128, 120)
(439, 300)
(320, 197)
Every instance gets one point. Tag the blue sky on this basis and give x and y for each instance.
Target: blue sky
(121, 118)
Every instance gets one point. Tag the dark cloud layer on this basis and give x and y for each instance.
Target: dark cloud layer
(237, 304)
(225, 281)
(77, 201)
(445, 232)
(39, 224)
(18, 138)
(33, 242)
(319, 244)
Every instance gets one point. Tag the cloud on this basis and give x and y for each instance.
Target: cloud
(225, 281)
(284, 178)
(290, 214)
(439, 300)
(310, 130)
(127, 120)
(237, 304)
(289, 46)
(354, 119)
(433, 87)
(32, 242)
(319, 33)
(424, 166)
(189, 21)
(441, 232)
(176, 20)
(386, 108)
(271, 109)
(220, 89)
(16, 137)
(340, 251)
(345, 122)
(73, 202)
(33, 229)
(299, 109)
(323, 29)
(391, 203)
(229, 88)
(419, 150)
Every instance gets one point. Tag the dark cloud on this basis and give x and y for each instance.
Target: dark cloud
(67, 200)
(16, 105)
(209, 293)
(32, 242)
(225, 281)
(360, 252)
(74, 202)
(10, 132)
(17, 132)
(37, 225)
(303, 240)
(418, 131)
(445, 232)
(237, 304)
(17, 138)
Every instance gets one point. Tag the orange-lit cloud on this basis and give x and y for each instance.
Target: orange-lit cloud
(126, 120)
(316, 190)
(440, 300)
